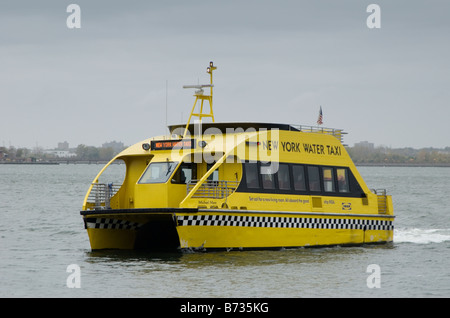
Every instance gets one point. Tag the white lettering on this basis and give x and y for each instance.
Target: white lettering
(73, 20)
(197, 308)
(374, 279)
(374, 19)
(74, 279)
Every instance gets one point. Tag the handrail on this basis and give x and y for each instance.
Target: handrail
(212, 189)
(100, 195)
(85, 202)
(210, 171)
(323, 130)
(382, 200)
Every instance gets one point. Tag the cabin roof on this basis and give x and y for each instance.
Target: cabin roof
(230, 125)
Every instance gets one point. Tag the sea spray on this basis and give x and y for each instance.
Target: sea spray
(421, 236)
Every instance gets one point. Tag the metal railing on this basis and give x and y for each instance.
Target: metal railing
(101, 194)
(338, 133)
(213, 189)
(382, 200)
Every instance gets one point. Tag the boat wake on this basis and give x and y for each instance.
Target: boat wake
(421, 236)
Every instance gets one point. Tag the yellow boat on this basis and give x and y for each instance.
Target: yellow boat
(236, 186)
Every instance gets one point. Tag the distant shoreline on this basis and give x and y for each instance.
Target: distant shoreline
(383, 164)
(358, 164)
(59, 162)
(28, 163)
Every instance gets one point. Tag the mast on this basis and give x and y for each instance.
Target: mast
(199, 95)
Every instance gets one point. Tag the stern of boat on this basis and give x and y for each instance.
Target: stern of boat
(146, 229)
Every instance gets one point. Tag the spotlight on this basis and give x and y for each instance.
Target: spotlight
(211, 67)
(146, 146)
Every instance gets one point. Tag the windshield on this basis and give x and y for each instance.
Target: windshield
(158, 172)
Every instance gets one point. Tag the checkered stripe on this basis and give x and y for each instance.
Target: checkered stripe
(111, 224)
(283, 222)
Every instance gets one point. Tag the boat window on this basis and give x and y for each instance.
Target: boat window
(251, 175)
(298, 173)
(314, 179)
(284, 180)
(115, 173)
(158, 172)
(268, 179)
(342, 177)
(213, 176)
(301, 178)
(328, 179)
(185, 173)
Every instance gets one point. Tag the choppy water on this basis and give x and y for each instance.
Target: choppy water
(41, 234)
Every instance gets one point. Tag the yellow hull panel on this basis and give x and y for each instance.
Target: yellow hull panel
(242, 231)
(111, 239)
(239, 230)
(131, 229)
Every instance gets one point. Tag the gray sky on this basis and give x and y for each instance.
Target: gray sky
(278, 61)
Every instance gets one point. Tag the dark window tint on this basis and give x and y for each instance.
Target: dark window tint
(298, 175)
(185, 173)
(213, 176)
(284, 180)
(314, 178)
(251, 175)
(267, 177)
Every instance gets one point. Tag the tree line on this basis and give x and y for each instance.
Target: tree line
(359, 155)
(81, 153)
(411, 156)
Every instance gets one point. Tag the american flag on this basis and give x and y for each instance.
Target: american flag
(319, 120)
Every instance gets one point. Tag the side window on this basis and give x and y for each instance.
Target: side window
(251, 175)
(268, 180)
(158, 172)
(298, 174)
(185, 173)
(328, 179)
(213, 176)
(342, 178)
(284, 180)
(314, 178)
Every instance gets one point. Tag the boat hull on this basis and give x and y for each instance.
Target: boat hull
(254, 229)
(172, 229)
(149, 229)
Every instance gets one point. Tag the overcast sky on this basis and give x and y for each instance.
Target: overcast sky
(278, 61)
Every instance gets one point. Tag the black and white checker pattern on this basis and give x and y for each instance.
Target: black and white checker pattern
(110, 224)
(284, 222)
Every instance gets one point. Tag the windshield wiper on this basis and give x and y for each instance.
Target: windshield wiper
(169, 168)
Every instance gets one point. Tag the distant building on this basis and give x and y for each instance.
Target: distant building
(365, 144)
(63, 145)
(117, 146)
(60, 153)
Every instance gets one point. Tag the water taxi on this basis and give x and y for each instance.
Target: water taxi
(243, 185)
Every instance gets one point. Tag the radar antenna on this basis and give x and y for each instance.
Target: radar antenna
(199, 95)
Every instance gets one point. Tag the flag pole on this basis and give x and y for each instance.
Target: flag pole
(320, 119)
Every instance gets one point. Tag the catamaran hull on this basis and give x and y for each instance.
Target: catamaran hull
(174, 229)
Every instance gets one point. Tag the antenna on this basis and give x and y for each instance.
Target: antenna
(199, 95)
(166, 101)
(199, 88)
